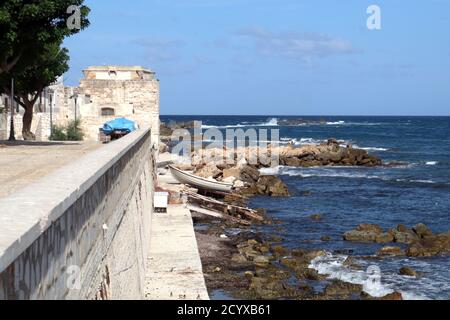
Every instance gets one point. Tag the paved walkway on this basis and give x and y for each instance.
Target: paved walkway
(23, 162)
(174, 269)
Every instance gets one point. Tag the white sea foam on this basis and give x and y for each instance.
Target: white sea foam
(372, 148)
(374, 283)
(271, 122)
(271, 171)
(431, 163)
(334, 268)
(335, 123)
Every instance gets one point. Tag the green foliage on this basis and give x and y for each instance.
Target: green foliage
(27, 26)
(72, 132)
(58, 134)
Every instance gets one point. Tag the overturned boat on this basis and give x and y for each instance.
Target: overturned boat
(199, 182)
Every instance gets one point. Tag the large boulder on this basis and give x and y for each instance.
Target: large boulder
(208, 171)
(422, 231)
(391, 251)
(272, 186)
(368, 233)
(430, 246)
(244, 173)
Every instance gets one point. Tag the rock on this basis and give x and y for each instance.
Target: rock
(305, 193)
(249, 174)
(430, 246)
(368, 233)
(238, 184)
(395, 296)
(279, 251)
(391, 251)
(422, 231)
(360, 236)
(370, 228)
(238, 258)
(261, 261)
(325, 238)
(407, 271)
(342, 289)
(272, 186)
(230, 180)
(316, 217)
(163, 148)
(207, 171)
(406, 236)
(384, 238)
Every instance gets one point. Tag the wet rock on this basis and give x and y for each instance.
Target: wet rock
(406, 236)
(395, 296)
(384, 237)
(430, 246)
(407, 271)
(360, 236)
(270, 288)
(279, 251)
(368, 233)
(267, 185)
(391, 251)
(316, 217)
(325, 238)
(422, 231)
(272, 186)
(261, 261)
(239, 258)
(305, 193)
(369, 228)
(342, 289)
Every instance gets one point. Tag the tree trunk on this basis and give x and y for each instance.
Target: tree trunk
(27, 120)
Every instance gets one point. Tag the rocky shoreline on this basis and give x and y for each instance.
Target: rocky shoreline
(254, 265)
(241, 262)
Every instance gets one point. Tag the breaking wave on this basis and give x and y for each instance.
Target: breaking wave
(374, 281)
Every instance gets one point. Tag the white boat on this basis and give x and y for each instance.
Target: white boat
(199, 182)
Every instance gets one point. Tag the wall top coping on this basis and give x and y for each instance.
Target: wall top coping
(25, 215)
(119, 68)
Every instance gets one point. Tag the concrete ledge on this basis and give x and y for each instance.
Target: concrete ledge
(26, 215)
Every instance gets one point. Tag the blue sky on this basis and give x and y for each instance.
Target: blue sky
(277, 57)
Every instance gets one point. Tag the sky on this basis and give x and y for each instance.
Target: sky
(277, 57)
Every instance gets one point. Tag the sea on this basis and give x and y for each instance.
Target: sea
(414, 190)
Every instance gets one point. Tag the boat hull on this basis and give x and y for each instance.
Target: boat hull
(199, 182)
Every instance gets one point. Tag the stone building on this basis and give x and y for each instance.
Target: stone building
(105, 93)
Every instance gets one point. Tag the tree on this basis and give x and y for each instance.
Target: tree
(27, 26)
(30, 83)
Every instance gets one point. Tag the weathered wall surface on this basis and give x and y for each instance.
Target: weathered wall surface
(137, 100)
(83, 231)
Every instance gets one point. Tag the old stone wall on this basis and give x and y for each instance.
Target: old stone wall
(83, 231)
(137, 100)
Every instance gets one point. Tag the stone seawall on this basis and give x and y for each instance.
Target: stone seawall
(83, 231)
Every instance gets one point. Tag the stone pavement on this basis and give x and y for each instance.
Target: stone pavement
(24, 162)
(174, 269)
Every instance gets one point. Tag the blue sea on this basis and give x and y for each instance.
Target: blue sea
(416, 190)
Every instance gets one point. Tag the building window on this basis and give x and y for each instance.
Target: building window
(108, 112)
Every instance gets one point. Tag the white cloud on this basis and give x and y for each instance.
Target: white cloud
(293, 45)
